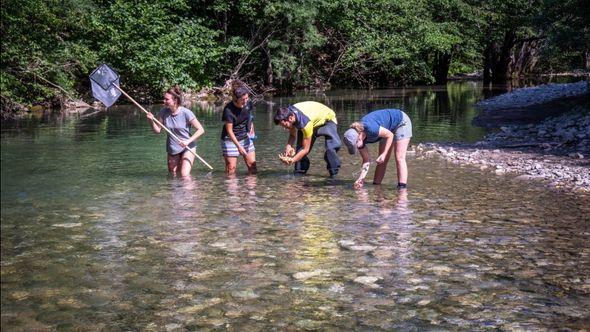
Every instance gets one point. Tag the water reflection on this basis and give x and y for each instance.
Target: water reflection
(440, 113)
(393, 218)
(241, 193)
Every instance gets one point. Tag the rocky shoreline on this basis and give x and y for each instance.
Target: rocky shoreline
(530, 105)
(555, 151)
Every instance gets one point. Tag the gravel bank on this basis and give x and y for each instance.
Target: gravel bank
(537, 95)
(555, 151)
(531, 105)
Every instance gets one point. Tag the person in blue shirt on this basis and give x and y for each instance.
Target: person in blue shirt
(392, 128)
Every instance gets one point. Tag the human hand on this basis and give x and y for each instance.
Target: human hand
(183, 143)
(380, 159)
(286, 159)
(241, 150)
(150, 116)
(289, 151)
(359, 183)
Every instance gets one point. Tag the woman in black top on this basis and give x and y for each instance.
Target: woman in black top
(236, 132)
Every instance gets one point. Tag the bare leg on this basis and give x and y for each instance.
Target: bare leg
(187, 163)
(401, 147)
(173, 163)
(381, 168)
(231, 164)
(250, 160)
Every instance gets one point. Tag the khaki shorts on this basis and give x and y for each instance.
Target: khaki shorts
(404, 130)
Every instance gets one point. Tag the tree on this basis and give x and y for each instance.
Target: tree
(383, 42)
(49, 46)
(453, 36)
(44, 52)
(509, 24)
(568, 34)
(156, 44)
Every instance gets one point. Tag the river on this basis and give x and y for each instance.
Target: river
(96, 235)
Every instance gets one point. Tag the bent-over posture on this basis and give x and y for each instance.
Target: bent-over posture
(307, 121)
(392, 128)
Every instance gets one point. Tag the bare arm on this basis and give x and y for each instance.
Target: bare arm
(252, 132)
(199, 130)
(289, 150)
(364, 152)
(155, 127)
(388, 135)
(306, 145)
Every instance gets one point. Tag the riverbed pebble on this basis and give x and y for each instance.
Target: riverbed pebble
(368, 281)
(308, 274)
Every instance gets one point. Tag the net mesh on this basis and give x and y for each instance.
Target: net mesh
(104, 76)
(103, 80)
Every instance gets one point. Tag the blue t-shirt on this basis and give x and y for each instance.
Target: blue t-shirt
(389, 119)
(239, 117)
(180, 125)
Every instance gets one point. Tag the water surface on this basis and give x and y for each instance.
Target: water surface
(96, 235)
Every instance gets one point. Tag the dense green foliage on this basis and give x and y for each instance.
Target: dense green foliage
(44, 46)
(157, 44)
(49, 47)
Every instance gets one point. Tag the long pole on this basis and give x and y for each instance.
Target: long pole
(161, 125)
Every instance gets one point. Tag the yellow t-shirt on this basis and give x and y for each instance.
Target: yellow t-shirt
(317, 113)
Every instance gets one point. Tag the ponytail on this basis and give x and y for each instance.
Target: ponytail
(358, 126)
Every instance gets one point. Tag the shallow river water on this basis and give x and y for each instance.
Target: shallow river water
(96, 235)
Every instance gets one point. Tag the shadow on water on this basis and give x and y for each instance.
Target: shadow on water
(96, 236)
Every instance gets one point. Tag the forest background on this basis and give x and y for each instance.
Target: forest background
(49, 47)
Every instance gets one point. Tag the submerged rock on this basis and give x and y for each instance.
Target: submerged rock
(245, 295)
(368, 281)
(308, 274)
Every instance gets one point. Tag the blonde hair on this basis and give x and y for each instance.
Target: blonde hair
(358, 126)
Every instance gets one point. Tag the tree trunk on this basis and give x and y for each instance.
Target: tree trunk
(526, 60)
(502, 72)
(269, 70)
(441, 67)
(488, 63)
(489, 55)
(222, 20)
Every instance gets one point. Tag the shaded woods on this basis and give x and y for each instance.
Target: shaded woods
(49, 47)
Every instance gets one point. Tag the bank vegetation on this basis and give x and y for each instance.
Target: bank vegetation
(50, 46)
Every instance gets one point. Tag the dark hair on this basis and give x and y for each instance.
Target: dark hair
(176, 92)
(239, 92)
(282, 114)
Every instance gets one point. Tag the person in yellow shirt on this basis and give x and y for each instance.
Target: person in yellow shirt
(306, 121)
